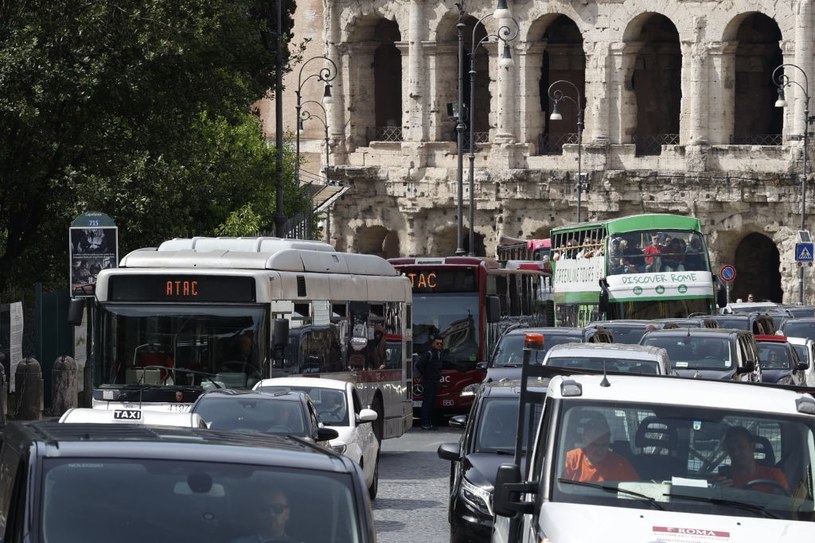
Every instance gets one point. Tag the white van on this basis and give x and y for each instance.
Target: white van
(132, 416)
(630, 459)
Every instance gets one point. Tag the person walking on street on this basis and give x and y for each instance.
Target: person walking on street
(428, 369)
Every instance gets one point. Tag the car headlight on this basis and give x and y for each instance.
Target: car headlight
(339, 447)
(469, 390)
(479, 498)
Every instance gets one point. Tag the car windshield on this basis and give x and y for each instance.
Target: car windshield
(608, 363)
(331, 404)
(267, 415)
(510, 349)
(694, 353)
(684, 459)
(774, 356)
(497, 425)
(626, 334)
(797, 328)
(167, 501)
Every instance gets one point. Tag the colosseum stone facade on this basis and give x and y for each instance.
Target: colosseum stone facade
(679, 106)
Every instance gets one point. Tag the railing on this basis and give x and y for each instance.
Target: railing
(652, 144)
(757, 139)
(552, 144)
(385, 133)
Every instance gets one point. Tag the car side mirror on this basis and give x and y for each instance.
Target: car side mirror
(507, 497)
(327, 434)
(449, 451)
(803, 365)
(367, 415)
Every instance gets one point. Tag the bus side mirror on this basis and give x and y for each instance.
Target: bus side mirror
(603, 304)
(280, 338)
(493, 308)
(721, 292)
(76, 309)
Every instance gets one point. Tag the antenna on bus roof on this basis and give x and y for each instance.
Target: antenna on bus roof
(605, 382)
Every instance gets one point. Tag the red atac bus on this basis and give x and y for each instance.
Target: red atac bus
(469, 302)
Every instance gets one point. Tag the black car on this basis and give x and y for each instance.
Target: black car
(800, 327)
(507, 357)
(691, 322)
(757, 323)
(709, 353)
(135, 483)
(284, 413)
(488, 441)
(630, 330)
(779, 361)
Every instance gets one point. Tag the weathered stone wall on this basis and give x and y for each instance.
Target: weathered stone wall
(406, 192)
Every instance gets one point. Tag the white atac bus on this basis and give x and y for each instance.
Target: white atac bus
(202, 313)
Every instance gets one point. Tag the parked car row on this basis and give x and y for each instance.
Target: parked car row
(740, 347)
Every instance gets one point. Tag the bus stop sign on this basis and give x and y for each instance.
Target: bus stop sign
(727, 273)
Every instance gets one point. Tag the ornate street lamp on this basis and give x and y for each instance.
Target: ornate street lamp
(501, 12)
(504, 34)
(326, 75)
(306, 116)
(557, 95)
(783, 81)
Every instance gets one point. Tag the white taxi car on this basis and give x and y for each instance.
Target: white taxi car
(132, 416)
(339, 407)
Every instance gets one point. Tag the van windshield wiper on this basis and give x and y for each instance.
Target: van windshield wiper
(729, 503)
(612, 488)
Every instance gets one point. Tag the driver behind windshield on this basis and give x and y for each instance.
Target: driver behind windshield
(594, 461)
(740, 446)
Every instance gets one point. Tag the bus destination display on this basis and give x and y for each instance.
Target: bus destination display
(442, 280)
(190, 288)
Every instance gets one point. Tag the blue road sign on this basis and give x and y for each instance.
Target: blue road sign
(727, 273)
(804, 252)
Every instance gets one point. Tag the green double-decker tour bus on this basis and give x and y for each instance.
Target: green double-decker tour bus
(646, 266)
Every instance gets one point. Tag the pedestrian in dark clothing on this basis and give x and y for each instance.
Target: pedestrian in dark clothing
(428, 369)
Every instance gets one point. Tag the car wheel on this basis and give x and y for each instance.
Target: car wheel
(374, 488)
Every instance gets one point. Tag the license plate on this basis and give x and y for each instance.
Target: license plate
(417, 403)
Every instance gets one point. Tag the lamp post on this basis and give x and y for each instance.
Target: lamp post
(505, 35)
(307, 115)
(326, 75)
(557, 95)
(501, 12)
(280, 216)
(783, 81)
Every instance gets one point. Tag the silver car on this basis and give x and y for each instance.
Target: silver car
(611, 357)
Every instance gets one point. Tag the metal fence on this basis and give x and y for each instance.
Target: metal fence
(552, 144)
(651, 144)
(385, 133)
(757, 139)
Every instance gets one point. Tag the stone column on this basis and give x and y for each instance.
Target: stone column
(336, 109)
(361, 92)
(531, 116)
(721, 92)
(803, 58)
(507, 95)
(623, 103)
(599, 75)
(415, 125)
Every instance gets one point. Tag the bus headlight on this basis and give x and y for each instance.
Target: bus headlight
(479, 498)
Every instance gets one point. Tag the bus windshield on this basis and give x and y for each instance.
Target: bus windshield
(182, 345)
(647, 251)
(453, 316)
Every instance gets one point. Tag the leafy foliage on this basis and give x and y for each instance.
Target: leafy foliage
(140, 110)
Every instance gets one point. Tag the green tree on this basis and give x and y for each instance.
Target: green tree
(138, 109)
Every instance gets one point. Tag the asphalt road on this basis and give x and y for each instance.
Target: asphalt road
(411, 506)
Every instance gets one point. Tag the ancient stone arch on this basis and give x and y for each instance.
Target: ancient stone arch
(757, 264)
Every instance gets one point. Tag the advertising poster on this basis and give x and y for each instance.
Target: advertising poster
(94, 247)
